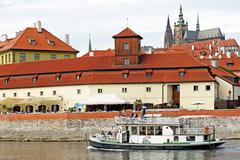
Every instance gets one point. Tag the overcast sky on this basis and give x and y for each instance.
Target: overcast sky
(104, 18)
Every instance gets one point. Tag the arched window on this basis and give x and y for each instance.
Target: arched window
(29, 109)
(55, 108)
(16, 109)
(42, 108)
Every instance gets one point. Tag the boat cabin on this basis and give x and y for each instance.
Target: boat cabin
(152, 131)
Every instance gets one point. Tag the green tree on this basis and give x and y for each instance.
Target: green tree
(138, 104)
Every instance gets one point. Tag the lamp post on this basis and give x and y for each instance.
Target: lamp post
(229, 97)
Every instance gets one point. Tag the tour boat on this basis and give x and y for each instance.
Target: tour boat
(156, 133)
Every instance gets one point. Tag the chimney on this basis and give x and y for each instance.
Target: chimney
(210, 56)
(193, 47)
(213, 43)
(39, 26)
(66, 38)
(4, 37)
(229, 54)
(214, 63)
(210, 47)
(216, 54)
(91, 54)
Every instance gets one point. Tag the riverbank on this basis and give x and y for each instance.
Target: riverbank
(78, 126)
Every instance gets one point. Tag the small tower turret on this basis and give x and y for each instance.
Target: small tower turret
(127, 47)
(197, 25)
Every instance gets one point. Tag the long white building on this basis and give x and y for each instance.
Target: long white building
(172, 79)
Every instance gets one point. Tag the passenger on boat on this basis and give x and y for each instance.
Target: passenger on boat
(109, 133)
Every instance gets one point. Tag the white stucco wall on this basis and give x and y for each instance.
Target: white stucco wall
(134, 91)
(224, 88)
(236, 92)
(188, 96)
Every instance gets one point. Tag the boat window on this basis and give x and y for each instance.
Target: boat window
(134, 131)
(191, 138)
(150, 130)
(142, 130)
(158, 130)
(176, 138)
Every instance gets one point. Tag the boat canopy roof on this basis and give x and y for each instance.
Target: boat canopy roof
(147, 121)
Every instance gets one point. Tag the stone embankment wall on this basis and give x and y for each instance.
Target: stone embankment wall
(52, 130)
(78, 126)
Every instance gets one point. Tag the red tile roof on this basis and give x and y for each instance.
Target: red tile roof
(127, 32)
(228, 42)
(148, 61)
(201, 47)
(98, 53)
(109, 77)
(102, 70)
(21, 42)
(221, 71)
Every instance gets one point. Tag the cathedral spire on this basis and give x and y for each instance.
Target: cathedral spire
(180, 19)
(89, 44)
(168, 38)
(168, 24)
(198, 24)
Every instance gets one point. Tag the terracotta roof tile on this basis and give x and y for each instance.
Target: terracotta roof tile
(127, 32)
(108, 52)
(41, 39)
(148, 61)
(109, 77)
(102, 70)
(228, 42)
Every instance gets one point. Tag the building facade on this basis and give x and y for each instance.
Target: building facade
(171, 80)
(34, 44)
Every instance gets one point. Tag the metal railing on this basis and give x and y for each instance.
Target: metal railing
(146, 120)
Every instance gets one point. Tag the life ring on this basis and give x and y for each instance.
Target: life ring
(206, 130)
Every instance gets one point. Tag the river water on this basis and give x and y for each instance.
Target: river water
(79, 151)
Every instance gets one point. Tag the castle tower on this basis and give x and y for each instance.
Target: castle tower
(168, 37)
(198, 24)
(127, 47)
(180, 28)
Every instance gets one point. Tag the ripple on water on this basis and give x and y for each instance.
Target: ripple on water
(81, 151)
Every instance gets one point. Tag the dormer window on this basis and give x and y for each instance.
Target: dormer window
(126, 61)
(230, 64)
(78, 75)
(126, 46)
(181, 72)
(6, 80)
(125, 74)
(34, 78)
(51, 42)
(148, 73)
(57, 76)
(32, 41)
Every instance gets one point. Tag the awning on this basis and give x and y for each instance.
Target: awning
(104, 99)
(38, 100)
(10, 101)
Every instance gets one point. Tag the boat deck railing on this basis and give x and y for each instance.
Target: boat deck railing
(146, 120)
(196, 131)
